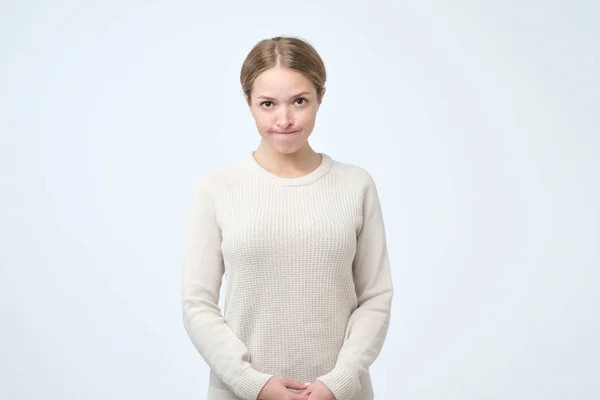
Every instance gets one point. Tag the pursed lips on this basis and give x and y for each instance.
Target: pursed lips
(285, 133)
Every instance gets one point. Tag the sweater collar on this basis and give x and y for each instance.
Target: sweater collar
(320, 171)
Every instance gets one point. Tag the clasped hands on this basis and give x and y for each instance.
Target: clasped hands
(277, 389)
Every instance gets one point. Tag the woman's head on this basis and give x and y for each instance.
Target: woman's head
(283, 80)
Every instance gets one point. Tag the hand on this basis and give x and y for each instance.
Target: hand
(318, 391)
(277, 389)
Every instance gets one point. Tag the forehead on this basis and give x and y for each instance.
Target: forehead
(281, 81)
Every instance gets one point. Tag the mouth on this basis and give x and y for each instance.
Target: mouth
(286, 133)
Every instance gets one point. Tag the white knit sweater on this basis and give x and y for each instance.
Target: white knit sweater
(309, 286)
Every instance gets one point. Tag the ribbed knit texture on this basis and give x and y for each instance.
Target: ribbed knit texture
(309, 286)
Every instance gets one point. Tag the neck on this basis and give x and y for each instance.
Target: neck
(287, 165)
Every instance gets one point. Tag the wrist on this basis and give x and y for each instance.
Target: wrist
(250, 384)
(341, 382)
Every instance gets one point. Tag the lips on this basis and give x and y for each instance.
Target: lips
(286, 133)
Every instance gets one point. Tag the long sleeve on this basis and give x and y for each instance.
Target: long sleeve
(202, 276)
(368, 325)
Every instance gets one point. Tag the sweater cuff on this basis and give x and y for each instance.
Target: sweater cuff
(341, 383)
(250, 384)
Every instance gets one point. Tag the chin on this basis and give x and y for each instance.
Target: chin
(285, 146)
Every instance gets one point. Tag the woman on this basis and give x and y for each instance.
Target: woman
(302, 242)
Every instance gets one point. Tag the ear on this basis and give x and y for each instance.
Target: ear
(247, 100)
(321, 99)
(322, 95)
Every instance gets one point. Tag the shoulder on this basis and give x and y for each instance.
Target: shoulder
(356, 177)
(219, 181)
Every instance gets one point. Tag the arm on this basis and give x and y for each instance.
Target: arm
(368, 324)
(203, 270)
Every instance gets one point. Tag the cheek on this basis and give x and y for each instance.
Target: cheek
(264, 122)
(305, 117)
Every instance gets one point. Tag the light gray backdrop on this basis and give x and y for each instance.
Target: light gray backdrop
(478, 120)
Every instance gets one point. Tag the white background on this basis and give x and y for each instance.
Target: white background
(478, 121)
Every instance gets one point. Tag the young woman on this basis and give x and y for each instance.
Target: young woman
(302, 242)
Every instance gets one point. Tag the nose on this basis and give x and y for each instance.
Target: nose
(284, 118)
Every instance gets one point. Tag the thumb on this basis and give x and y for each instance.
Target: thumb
(302, 396)
(292, 384)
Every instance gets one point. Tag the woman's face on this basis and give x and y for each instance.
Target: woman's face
(284, 106)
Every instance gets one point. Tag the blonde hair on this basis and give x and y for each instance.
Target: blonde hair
(284, 52)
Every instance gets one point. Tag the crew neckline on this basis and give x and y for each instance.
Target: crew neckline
(320, 171)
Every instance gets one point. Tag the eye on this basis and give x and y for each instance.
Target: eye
(266, 104)
(301, 100)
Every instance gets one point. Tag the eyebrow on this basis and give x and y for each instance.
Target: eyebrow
(271, 98)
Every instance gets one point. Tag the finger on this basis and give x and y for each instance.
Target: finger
(292, 384)
(301, 396)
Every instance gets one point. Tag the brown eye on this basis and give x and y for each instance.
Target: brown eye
(300, 100)
(266, 104)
